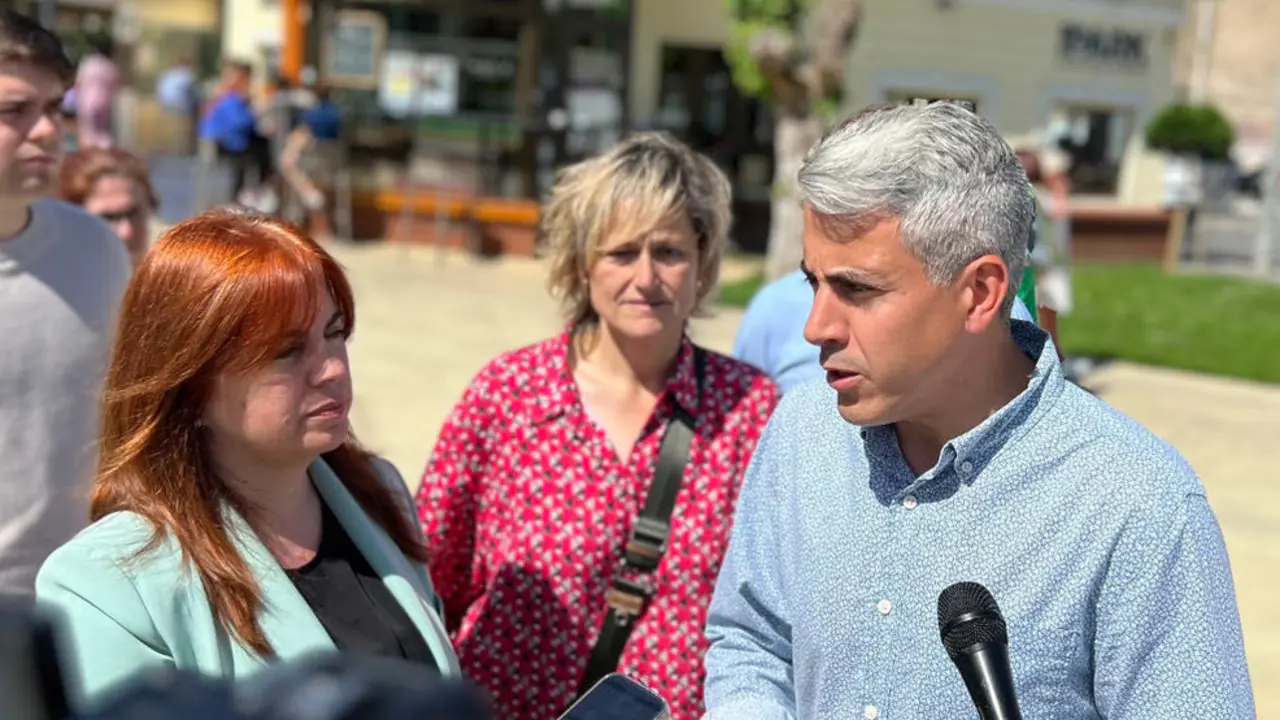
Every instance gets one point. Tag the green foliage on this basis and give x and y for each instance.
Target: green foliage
(1199, 130)
(748, 17)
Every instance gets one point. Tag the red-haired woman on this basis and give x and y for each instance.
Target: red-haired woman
(236, 521)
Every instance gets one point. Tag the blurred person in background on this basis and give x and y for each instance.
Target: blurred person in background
(178, 93)
(534, 486)
(97, 83)
(62, 274)
(311, 150)
(277, 113)
(236, 520)
(112, 184)
(1047, 169)
(229, 120)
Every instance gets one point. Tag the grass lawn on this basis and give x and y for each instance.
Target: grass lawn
(1219, 325)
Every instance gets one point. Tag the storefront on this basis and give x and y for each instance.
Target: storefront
(480, 97)
(487, 97)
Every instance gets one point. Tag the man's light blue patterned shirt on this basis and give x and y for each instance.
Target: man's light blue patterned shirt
(1094, 536)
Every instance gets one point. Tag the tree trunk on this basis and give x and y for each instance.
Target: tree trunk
(793, 135)
(799, 80)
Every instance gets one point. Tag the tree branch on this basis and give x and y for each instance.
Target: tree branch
(774, 52)
(831, 27)
(799, 79)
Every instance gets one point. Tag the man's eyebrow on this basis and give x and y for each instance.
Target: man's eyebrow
(852, 276)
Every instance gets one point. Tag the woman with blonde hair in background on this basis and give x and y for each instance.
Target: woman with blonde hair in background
(236, 521)
(579, 498)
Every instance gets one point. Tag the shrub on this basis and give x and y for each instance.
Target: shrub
(1199, 130)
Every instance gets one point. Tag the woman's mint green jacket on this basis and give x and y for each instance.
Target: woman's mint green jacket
(123, 616)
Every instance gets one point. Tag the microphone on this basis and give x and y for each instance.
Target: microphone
(977, 641)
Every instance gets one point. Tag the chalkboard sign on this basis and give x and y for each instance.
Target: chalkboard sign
(354, 49)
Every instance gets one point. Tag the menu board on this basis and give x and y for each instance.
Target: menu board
(354, 49)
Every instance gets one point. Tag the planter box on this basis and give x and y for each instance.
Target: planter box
(488, 226)
(1119, 234)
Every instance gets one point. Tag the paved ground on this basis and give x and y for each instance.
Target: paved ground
(427, 322)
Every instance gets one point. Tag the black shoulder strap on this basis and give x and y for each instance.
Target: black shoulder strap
(625, 598)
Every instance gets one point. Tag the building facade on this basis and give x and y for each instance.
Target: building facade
(1228, 56)
(1092, 70)
(453, 98)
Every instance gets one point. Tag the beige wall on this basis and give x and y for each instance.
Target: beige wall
(251, 26)
(196, 14)
(1006, 56)
(1002, 52)
(1240, 66)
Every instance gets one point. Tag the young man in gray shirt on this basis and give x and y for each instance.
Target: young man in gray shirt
(62, 275)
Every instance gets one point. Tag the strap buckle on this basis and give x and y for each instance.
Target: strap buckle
(627, 598)
(647, 544)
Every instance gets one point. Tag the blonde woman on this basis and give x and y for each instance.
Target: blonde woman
(531, 497)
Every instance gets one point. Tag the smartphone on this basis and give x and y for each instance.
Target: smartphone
(618, 697)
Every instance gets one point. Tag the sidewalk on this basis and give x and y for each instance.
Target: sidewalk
(427, 322)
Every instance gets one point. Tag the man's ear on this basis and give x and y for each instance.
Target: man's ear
(986, 284)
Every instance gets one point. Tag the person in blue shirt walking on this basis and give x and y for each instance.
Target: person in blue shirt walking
(771, 333)
(313, 148)
(947, 446)
(229, 121)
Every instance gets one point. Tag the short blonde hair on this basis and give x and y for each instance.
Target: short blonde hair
(652, 176)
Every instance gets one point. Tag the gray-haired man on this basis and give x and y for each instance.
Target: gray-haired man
(956, 451)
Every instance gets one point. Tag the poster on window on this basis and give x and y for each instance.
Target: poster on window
(354, 47)
(418, 84)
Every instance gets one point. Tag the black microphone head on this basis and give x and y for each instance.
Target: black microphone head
(968, 615)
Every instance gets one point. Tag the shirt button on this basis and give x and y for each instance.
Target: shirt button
(885, 607)
(909, 502)
(966, 467)
(870, 712)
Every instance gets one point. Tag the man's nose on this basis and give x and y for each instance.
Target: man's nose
(824, 325)
(48, 127)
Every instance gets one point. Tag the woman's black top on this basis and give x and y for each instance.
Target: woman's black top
(353, 604)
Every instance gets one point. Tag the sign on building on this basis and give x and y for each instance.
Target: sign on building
(1109, 47)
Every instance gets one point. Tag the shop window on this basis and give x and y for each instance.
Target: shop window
(1094, 137)
(484, 50)
(699, 102)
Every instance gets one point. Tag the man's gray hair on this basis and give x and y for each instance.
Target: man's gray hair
(957, 188)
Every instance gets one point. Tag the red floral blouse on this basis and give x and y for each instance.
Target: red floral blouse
(526, 508)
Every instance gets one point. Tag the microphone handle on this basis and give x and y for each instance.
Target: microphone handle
(989, 678)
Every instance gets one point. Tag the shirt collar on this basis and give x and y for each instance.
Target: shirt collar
(970, 453)
(562, 396)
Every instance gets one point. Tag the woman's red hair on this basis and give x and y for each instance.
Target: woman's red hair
(222, 292)
(83, 168)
